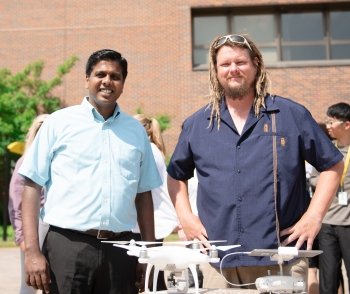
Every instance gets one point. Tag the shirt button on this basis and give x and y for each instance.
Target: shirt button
(239, 147)
(239, 198)
(238, 171)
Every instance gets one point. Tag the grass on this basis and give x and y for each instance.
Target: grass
(10, 242)
(172, 237)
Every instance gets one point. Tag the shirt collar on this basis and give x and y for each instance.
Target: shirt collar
(95, 114)
(270, 106)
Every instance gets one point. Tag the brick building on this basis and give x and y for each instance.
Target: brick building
(306, 45)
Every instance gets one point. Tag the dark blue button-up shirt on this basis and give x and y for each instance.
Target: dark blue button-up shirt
(235, 197)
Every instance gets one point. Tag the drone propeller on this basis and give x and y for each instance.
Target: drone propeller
(191, 242)
(128, 247)
(225, 247)
(221, 248)
(185, 243)
(119, 242)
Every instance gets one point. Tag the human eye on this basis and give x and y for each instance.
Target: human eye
(100, 74)
(241, 62)
(224, 64)
(116, 77)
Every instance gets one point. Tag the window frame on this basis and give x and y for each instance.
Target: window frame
(277, 11)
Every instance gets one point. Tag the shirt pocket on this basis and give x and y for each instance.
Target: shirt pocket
(130, 163)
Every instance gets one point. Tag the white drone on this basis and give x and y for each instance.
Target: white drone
(174, 257)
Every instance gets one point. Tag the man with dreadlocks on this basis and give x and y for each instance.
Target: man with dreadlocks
(249, 149)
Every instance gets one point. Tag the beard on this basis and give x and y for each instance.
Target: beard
(236, 91)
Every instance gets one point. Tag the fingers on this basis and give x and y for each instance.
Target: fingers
(46, 281)
(299, 236)
(38, 277)
(39, 281)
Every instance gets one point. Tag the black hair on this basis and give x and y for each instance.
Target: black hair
(106, 54)
(340, 111)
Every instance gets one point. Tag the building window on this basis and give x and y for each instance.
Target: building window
(284, 34)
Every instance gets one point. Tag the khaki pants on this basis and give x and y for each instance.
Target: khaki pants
(248, 275)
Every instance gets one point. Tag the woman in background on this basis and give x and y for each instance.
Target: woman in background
(15, 202)
(165, 218)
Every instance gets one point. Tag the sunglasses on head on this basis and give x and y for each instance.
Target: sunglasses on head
(236, 39)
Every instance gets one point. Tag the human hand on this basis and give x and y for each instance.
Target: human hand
(305, 230)
(193, 229)
(37, 271)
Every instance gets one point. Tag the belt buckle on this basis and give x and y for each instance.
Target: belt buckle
(101, 235)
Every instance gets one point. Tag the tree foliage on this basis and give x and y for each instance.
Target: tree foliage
(24, 95)
(163, 119)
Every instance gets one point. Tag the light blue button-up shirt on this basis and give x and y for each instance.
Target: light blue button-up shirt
(91, 168)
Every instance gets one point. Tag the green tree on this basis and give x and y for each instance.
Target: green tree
(163, 119)
(24, 95)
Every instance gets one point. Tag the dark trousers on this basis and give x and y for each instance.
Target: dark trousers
(82, 264)
(334, 241)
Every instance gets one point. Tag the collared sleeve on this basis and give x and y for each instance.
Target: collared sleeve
(149, 175)
(181, 165)
(36, 164)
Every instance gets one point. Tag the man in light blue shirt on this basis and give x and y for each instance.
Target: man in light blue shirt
(97, 167)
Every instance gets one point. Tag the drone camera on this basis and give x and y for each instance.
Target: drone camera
(177, 282)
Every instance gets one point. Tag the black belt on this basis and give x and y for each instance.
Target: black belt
(99, 234)
(102, 234)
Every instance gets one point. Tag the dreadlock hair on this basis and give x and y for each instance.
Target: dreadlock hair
(153, 130)
(216, 91)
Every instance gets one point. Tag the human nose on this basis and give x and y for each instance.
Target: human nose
(106, 79)
(234, 68)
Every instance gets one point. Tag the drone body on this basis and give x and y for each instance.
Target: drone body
(173, 255)
(174, 258)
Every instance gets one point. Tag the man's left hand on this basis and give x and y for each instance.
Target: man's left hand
(305, 230)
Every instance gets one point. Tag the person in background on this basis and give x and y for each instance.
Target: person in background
(334, 236)
(165, 218)
(313, 281)
(313, 273)
(249, 150)
(97, 167)
(15, 202)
